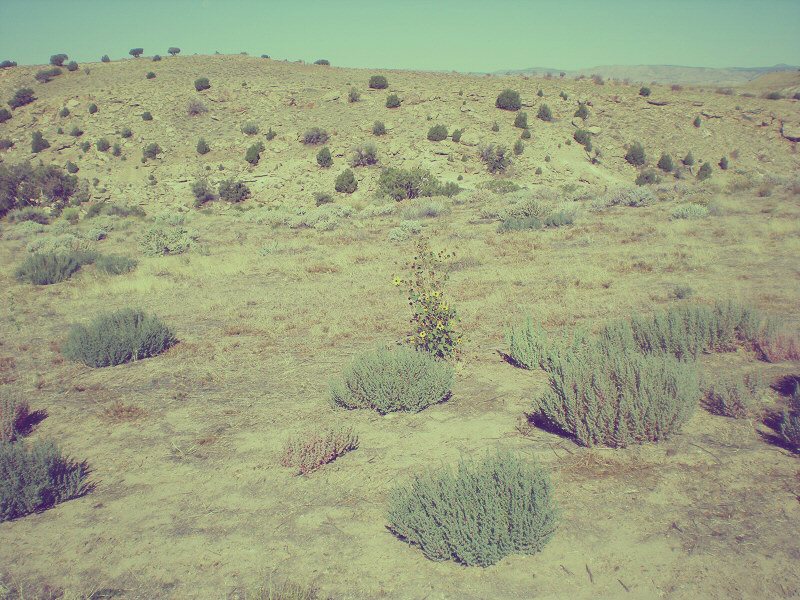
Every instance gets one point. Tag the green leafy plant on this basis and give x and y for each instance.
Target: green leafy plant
(84, 146)
(644, 91)
(508, 100)
(689, 159)
(437, 133)
(116, 150)
(126, 132)
(400, 184)
(723, 163)
(5, 115)
(38, 143)
(105, 58)
(318, 447)
(583, 137)
(162, 239)
(636, 155)
(76, 132)
(378, 82)
(647, 177)
(690, 211)
(324, 158)
(14, 414)
(379, 128)
(735, 397)
(544, 113)
(21, 97)
(435, 321)
(270, 135)
(315, 135)
(71, 167)
(35, 478)
(118, 337)
(526, 134)
(146, 116)
(774, 96)
(150, 75)
(136, 52)
(112, 264)
(201, 83)
(482, 513)
(457, 134)
(102, 145)
(202, 147)
(202, 192)
(389, 381)
(519, 147)
(173, 51)
(92, 108)
(392, 101)
(354, 95)
(697, 121)
(521, 120)
(346, 182)
(64, 112)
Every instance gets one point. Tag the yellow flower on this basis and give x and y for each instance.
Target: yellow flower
(443, 306)
(422, 334)
(439, 325)
(397, 281)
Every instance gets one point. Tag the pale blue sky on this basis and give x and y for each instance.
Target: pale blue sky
(433, 35)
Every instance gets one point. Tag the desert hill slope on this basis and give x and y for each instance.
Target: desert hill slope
(290, 98)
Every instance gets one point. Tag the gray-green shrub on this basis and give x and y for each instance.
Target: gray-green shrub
(47, 268)
(151, 150)
(545, 114)
(392, 101)
(521, 120)
(379, 128)
(690, 211)
(202, 146)
(437, 133)
(102, 145)
(202, 192)
(37, 477)
(487, 510)
(636, 155)
(389, 381)
(665, 163)
(378, 82)
(315, 135)
(201, 83)
(253, 154)
(704, 172)
(401, 184)
(324, 158)
(21, 97)
(162, 239)
(38, 143)
(118, 337)
(496, 157)
(346, 182)
(250, 128)
(113, 264)
(735, 397)
(5, 115)
(508, 100)
(233, 191)
(364, 155)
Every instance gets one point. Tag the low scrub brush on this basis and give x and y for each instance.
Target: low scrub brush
(118, 337)
(387, 381)
(316, 448)
(482, 513)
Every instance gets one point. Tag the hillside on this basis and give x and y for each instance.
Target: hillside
(272, 299)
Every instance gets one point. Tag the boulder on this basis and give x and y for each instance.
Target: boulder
(791, 132)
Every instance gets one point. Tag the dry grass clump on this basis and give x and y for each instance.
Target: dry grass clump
(318, 447)
(13, 414)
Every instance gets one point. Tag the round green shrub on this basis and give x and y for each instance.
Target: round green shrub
(353, 95)
(519, 147)
(92, 108)
(644, 91)
(150, 75)
(5, 115)
(496, 126)
(437, 133)
(118, 337)
(105, 58)
(378, 82)
(582, 111)
(315, 135)
(526, 135)
(379, 128)
(508, 100)
(521, 120)
(389, 381)
(392, 101)
(146, 116)
(102, 145)
(21, 97)
(202, 147)
(457, 134)
(64, 112)
(47, 268)
(346, 182)
(126, 132)
(38, 143)
(484, 512)
(665, 163)
(201, 84)
(250, 128)
(544, 113)
(253, 154)
(636, 155)
(704, 172)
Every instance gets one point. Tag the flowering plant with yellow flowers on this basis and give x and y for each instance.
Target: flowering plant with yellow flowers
(434, 323)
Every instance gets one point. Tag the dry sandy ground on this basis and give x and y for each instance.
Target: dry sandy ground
(192, 502)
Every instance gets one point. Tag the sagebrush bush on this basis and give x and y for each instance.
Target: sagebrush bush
(202, 192)
(5, 115)
(401, 184)
(697, 122)
(496, 126)
(118, 337)
(250, 128)
(58, 59)
(37, 477)
(102, 145)
(636, 154)
(789, 426)
(233, 191)
(324, 158)
(346, 182)
(392, 101)
(647, 177)
(644, 91)
(496, 157)
(318, 447)
(379, 128)
(151, 150)
(270, 135)
(508, 100)
(582, 111)
(126, 132)
(519, 147)
(704, 172)
(156, 58)
(487, 510)
(201, 83)
(47, 268)
(665, 162)
(7, 63)
(150, 75)
(364, 155)
(583, 137)
(146, 116)
(315, 135)
(457, 134)
(202, 146)
(437, 133)
(388, 381)
(29, 213)
(353, 95)
(736, 397)
(13, 415)
(253, 154)
(76, 132)
(378, 82)
(113, 264)
(38, 143)
(521, 120)
(688, 159)
(92, 108)
(690, 211)
(21, 97)
(162, 239)
(195, 106)
(545, 114)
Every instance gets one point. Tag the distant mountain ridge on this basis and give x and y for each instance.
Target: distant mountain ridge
(662, 73)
